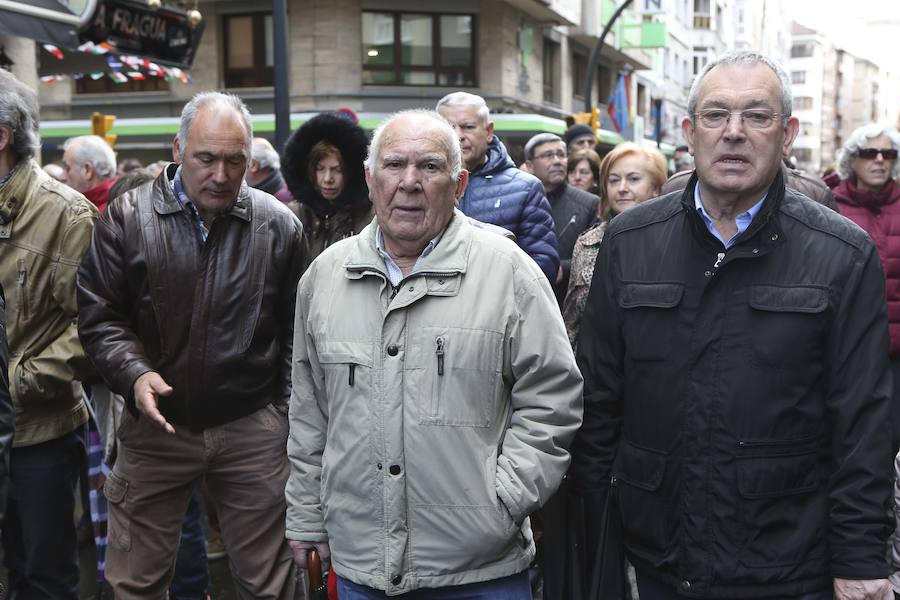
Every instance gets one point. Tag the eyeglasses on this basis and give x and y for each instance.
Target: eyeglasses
(872, 153)
(551, 155)
(753, 118)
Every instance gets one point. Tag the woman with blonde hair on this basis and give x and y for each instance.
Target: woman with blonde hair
(629, 175)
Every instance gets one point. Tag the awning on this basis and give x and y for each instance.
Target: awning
(49, 21)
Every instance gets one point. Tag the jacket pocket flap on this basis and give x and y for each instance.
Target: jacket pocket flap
(775, 476)
(795, 298)
(654, 295)
(114, 489)
(357, 353)
(640, 467)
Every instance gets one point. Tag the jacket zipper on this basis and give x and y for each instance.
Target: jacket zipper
(439, 352)
(719, 258)
(23, 297)
(352, 377)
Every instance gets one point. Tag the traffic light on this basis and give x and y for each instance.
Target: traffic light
(591, 119)
(101, 124)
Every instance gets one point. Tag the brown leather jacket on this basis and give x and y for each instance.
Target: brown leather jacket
(810, 186)
(215, 320)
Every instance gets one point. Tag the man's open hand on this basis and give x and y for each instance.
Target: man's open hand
(147, 390)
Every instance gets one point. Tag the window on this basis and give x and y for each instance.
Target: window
(803, 103)
(579, 72)
(701, 57)
(652, 5)
(551, 49)
(249, 50)
(801, 50)
(798, 76)
(418, 49)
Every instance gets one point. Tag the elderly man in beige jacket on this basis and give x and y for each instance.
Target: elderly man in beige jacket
(434, 390)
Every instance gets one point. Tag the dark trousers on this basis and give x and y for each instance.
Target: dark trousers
(191, 576)
(39, 540)
(652, 589)
(514, 587)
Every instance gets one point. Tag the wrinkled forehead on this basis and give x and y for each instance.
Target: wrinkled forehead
(551, 145)
(740, 86)
(415, 135)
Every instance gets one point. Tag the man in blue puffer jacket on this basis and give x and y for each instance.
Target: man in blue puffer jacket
(498, 192)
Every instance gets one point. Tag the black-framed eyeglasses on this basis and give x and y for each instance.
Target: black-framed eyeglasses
(872, 153)
(754, 118)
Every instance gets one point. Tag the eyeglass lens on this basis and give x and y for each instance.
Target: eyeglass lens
(872, 153)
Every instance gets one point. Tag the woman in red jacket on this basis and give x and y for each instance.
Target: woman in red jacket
(869, 195)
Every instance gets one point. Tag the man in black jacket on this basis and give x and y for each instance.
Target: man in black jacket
(736, 387)
(574, 210)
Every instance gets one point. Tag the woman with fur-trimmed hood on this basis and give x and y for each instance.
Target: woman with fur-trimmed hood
(322, 164)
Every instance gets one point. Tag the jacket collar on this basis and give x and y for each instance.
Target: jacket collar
(17, 188)
(165, 203)
(449, 257)
(774, 197)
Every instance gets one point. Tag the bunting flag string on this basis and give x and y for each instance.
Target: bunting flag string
(135, 68)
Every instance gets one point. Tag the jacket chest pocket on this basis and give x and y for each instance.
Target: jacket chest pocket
(649, 318)
(463, 368)
(346, 368)
(787, 325)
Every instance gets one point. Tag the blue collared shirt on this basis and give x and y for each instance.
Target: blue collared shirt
(743, 220)
(395, 275)
(191, 208)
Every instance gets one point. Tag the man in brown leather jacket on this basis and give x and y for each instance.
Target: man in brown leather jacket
(187, 302)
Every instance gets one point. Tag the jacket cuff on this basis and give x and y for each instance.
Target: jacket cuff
(515, 510)
(864, 562)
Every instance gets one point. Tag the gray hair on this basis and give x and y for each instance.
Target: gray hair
(204, 99)
(538, 140)
(265, 154)
(858, 140)
(745, 57)
(466, 99)
(20, 112)
(454, 156)
(93, 149)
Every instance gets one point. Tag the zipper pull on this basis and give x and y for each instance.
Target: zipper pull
(719, 258)
(351, 379)
(21, 264)
(439, 352)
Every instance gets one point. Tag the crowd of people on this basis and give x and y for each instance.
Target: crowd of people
(593, 376)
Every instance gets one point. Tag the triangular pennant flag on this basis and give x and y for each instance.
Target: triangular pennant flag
(54, 51)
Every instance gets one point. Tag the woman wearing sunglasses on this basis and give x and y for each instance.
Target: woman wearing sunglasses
(868, 194)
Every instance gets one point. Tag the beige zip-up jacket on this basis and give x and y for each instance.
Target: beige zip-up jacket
(428, 420)
(45, 229)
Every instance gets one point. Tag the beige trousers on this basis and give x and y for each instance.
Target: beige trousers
(245, 466)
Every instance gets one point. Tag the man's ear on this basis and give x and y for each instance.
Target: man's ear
(687, 128)
(6, 137)
(490, 131)
(176, 150)
(791, 129)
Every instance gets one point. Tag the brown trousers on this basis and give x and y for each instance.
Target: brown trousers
(245, 466)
